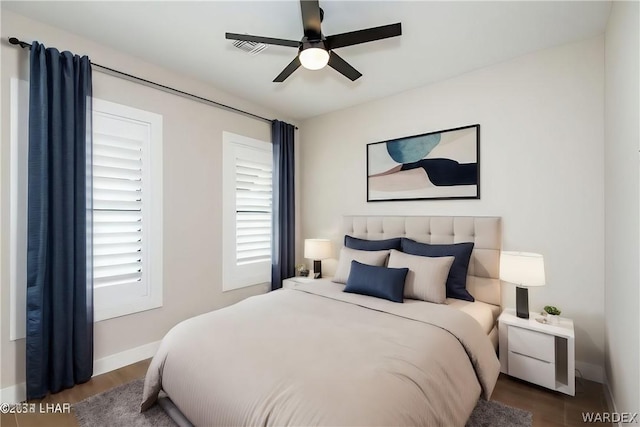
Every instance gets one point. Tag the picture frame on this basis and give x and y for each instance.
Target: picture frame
(441, 165)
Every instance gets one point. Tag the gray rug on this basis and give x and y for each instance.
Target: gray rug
(120, 407)
(496, 414)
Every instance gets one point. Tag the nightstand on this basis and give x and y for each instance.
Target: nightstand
(540, 353)
(293, 282)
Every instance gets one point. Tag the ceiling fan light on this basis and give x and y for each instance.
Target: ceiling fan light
(314, 58)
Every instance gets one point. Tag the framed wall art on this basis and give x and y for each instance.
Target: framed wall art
(436, 165)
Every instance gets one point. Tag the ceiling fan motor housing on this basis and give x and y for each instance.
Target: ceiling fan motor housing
(308, 44)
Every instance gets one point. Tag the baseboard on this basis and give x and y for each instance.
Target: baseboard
(18, 392)
(590, 372)
(13, 394)
(124, 358)
(611, 404)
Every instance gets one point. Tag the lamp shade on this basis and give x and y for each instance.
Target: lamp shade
(522, 268)
(317, 248)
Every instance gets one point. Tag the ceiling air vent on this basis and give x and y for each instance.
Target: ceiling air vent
(252, 48)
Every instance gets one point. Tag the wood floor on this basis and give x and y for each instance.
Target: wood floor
(549, 409)
(552, 409)
(95, 385)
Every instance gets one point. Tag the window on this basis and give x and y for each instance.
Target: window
(247, 200)
(127, 190)
(127, 210)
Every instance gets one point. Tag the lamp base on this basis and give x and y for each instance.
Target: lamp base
(522, 302)
(317, 269)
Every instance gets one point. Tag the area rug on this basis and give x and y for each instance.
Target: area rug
(120, 407)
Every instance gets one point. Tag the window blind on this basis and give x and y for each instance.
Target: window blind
(253, 210)
(117, 210)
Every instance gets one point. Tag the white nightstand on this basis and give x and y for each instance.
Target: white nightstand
(292, 282)
(540, 353)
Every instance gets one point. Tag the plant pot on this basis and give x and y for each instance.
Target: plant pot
(552, 319)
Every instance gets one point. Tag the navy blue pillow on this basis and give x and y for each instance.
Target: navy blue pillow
(379, 282)
(457, 279)
(372, 245)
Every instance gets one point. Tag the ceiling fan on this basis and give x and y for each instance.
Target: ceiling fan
(315, 50)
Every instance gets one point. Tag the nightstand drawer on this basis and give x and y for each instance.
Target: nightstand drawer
(531, 343)
(532, 370)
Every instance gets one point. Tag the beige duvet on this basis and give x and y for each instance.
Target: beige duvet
(315, 355)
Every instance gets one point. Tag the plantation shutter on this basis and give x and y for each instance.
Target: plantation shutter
(253, 207)
(117, 207)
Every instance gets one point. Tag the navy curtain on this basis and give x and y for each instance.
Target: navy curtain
(283, 255)
(59, 274)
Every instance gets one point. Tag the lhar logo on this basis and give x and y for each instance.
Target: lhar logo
(610, 417)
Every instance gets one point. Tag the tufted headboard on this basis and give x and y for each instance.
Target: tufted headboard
(486, 232)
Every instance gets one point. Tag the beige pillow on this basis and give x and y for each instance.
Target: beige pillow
(377, 258)
(427, 276)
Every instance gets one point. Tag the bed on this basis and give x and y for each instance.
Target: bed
(316, 355)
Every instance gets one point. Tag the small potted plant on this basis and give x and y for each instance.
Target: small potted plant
(552, 313)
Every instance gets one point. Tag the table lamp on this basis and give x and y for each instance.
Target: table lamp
(525, 270)
(317, 250)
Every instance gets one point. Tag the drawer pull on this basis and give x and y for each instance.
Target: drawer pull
(531, 357)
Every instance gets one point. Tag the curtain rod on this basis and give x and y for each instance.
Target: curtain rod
(168, 89)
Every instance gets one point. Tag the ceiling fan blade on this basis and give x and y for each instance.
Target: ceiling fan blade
(311, 18)
(265, 40)
(343, 67)
(288, 70)
(363, 36)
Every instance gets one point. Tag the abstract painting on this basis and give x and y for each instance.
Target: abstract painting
(436, 165)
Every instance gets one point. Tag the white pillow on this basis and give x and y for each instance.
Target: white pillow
(427, 276)
(377, 258)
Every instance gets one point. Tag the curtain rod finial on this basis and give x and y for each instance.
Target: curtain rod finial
(17, 42)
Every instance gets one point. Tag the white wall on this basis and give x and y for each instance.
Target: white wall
(542, 169)
(622, 213)
(192, 189)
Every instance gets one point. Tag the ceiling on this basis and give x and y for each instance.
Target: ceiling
(440, 40)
